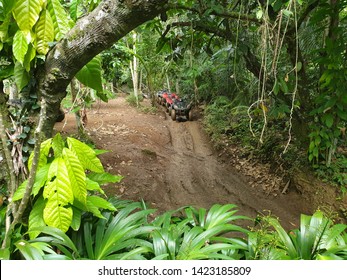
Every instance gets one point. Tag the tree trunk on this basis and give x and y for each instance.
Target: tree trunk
(97, 31)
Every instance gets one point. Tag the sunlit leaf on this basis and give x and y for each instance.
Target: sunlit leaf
(86, 155)
(26, 13)
(44, 32)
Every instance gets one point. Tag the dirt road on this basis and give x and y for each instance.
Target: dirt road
(170, 164)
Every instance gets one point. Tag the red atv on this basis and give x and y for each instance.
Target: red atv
(160, 95)
(168, 99)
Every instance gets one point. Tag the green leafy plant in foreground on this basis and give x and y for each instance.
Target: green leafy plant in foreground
(63, 189)
(186, 234)
(317, 238)
(199, 234)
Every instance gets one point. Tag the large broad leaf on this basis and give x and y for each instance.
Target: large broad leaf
(86, 155)
(57, 145)
(26, 13)
(58, 216)
(20, 45)
(57, 212)
(74, 9)
(58, 186)
(90, 74)
(36, 217)
(44, 151)
(44, 32)
(60, 18)
(21, 76)
(76, 175)
(4, 29)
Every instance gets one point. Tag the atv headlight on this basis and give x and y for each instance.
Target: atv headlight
(175, 107)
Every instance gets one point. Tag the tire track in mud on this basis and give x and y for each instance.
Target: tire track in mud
(196, 177)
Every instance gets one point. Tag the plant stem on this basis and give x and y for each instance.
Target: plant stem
(12, 207)
(17, 216)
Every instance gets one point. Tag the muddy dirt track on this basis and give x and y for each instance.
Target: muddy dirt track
(170, 164)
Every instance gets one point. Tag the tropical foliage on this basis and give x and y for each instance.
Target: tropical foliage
(186, 234)
(271, 70)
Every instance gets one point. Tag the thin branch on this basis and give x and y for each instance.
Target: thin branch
(17, 216)
(232, 15)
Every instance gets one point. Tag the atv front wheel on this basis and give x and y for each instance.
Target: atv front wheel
(173, 114)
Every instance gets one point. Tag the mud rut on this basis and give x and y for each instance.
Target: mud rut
(196, 177)
(170, 164)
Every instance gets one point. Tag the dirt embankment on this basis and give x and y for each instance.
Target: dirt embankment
(170, 164)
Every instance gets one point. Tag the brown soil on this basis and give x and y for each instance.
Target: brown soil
(170, 164)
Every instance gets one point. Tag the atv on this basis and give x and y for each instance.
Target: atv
(168, 99)
(179, 108)
(160, 95)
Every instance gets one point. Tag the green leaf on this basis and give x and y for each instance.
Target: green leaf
(40, 180)
(30, 55)
(57, 237)
(58, 186)
(57, 145)
(21, 76)
(73, 9)
(58, 216)
(90, 74)
(298, 66)
(94, 209)
(77, 176)
(58, 191)
(44, 151)
(28, 251)
(19, 193)
(76, 218)
(101, 203)
(104, 178)
(329, 120)
(287, 13)
(60, 18)
(285, 238)
(36, 218)
(44, 32)
(4, 254)
(26, 13)
(86, 155)
(93, 186)
(20, 45)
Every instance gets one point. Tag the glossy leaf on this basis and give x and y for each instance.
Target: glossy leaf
(20, 46)
(26, 13)
(58, 191)
(77, 176)
(86, 155)
(44, 32)
(44, 151)
(59, 17)
(36, 218)
(90, 75)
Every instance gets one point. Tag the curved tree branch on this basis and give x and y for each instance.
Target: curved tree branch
(97, 31)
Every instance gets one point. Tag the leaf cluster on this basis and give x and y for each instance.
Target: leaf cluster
(69, 173)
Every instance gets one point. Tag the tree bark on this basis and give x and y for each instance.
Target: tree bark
(97, 31)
